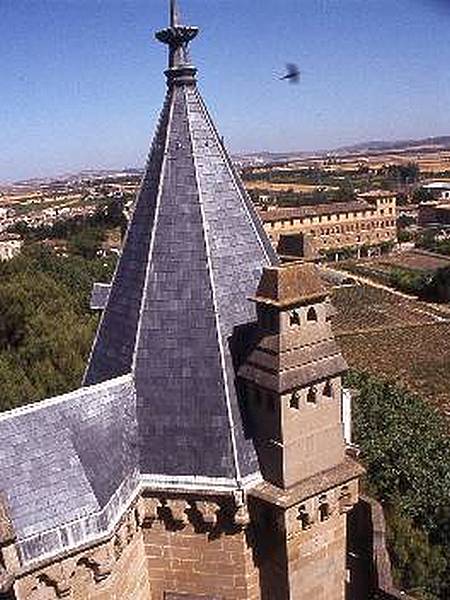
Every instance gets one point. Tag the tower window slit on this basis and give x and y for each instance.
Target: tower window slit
(303, 517)
(312, 396)
(294, 317)
(311, 315)
(324, 509)
(328, 390)
(294, 401)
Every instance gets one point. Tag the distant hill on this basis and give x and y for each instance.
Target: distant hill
(431, 143)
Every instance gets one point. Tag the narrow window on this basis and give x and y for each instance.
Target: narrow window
(311, 314)
(295, 400)
(294, 317)
(312, 396)
(303, 517)
(345, 500)
(324, 509)
(328, 390)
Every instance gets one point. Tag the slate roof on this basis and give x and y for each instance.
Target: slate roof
(63, 460)
(194, 253)
(160, 405)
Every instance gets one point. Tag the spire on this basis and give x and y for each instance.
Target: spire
(178, 37)
(178, 306)
(175, 19)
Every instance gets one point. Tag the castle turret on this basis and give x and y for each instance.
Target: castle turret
(292, 377)
(291, 387)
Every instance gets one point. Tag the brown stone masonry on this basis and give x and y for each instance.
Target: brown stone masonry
(300, 535)
(203, 548)
(175, 545)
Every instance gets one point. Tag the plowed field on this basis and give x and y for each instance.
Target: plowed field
(405, 340)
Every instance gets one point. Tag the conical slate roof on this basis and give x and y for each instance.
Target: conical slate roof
(193, 255)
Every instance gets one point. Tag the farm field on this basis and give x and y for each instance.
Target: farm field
(428, 160)
(285, 187)
(381, 269)
(403, 339)
(416, 260)
(362, 308)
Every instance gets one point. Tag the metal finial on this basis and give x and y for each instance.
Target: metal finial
(177, 37)
(175, 20)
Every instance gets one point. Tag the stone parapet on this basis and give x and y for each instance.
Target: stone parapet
(382, 572)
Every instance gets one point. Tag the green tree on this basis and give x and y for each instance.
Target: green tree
(418, 566)
(405, 236)
(87, 242)
(410, 282)
(438, 288)
(402, 174)
(46, 327)
(405, 447)
(346, 191)
(422, 195)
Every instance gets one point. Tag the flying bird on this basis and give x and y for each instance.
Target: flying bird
(292, 73)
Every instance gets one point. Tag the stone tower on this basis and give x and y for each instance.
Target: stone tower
(291, 382)
(203, 459)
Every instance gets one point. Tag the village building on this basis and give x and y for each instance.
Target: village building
(10, 245)
(434, 214)
(367, 225)
(439, 189)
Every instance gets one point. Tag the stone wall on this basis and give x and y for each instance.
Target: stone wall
(301, 547)
(372, 565)
(317, 560)
(164, 545)
(198, 548)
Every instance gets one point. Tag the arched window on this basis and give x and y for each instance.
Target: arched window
(324, 509)
(311, 315)
(328, 389)
(312, 395)
(294, 401)
(345, 500)
(294, 317)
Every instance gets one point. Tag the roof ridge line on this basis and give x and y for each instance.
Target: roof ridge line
(124, 243)
(169, 98)
(216, 312)
(61, 398)
(241, 190)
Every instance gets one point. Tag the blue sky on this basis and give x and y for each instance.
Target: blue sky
(81, 81)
